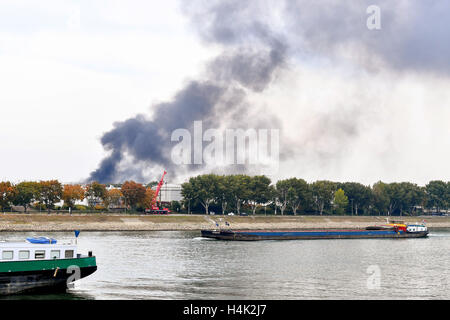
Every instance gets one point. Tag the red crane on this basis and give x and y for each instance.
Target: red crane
(155, 208)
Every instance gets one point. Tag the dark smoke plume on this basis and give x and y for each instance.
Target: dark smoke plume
(259, 40)
(219, 97)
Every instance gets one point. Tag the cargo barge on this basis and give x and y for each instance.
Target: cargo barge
(41, 265)
(393, 231)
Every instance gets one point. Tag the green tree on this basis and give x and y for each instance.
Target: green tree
(323, 193)
(204, 188)
(273, 195)
(152, 184)
(340, 201)
(96, 193)
(413, 196)
(437, 195)
(394, 193)
(447, 196)
(175, 206)
(359, 195)
(239, 190)
(259, 192)
(403, 196)
(380, 198)
(50, 192)
(188, 194)
(26, 193)
(298, 194)
(282, 192)
(224, 195)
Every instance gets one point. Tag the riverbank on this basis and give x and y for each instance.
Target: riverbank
(122, 222)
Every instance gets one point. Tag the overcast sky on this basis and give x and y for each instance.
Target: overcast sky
(353, 105)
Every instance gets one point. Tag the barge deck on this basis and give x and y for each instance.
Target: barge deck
(310, 234)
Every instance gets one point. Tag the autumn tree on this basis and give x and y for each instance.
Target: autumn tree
(114, 197)
(147, 202)
(72, 193)
(7, 194)
(133, 193)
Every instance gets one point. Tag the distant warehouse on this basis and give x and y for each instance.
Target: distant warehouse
(170, 192)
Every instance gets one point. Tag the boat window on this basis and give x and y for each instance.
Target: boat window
(7, 255)
(54, 254)
(68, 254)
(39, 254)
(24, 254)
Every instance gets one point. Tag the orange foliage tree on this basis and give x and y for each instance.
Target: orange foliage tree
(114, 198)
(72, 193)
(7, 194)
(149, 195)
(133, 193)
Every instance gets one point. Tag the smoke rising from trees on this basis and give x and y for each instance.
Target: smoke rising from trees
(261, 41)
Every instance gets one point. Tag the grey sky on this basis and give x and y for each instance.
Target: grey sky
(352, 103)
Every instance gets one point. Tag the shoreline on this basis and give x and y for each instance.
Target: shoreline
(11, 222)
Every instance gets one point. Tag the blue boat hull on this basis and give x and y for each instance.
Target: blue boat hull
(308, 234)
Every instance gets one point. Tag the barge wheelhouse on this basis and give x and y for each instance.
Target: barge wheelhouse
(41, 264)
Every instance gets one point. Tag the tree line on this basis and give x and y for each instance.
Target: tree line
(45, 194)
(239, 193)
(257, 194)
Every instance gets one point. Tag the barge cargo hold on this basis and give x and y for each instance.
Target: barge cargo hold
(389, 231)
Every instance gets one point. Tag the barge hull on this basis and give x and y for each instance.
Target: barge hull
(38, 281)
(308, 235)
(43, 276)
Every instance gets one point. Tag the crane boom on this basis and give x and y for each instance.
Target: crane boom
(158, 188)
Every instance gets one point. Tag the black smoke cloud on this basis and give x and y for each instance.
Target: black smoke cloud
(147, 140)
(220, 95)
(259, 40)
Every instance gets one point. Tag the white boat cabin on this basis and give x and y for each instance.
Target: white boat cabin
(416, 228)
(26, 250)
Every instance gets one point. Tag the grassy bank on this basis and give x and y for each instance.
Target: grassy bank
(117, 222)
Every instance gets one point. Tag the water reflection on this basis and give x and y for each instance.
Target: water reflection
(181, 265)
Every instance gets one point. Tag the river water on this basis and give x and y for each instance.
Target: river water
(182, 265)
